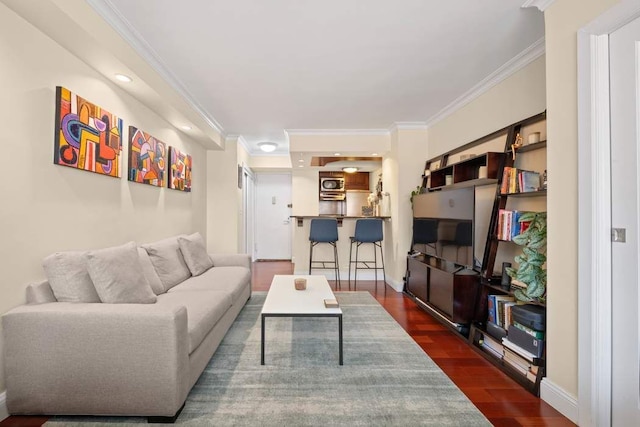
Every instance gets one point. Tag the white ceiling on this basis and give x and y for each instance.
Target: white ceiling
(258, 67)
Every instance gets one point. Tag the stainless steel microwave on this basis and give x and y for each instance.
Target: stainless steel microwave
(332, 184)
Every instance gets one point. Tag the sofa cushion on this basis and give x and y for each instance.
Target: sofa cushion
(68, 277)
(195, 253)
(204, 309)
(117, 275)
(228, 279)
(168, 262)
(150, 273)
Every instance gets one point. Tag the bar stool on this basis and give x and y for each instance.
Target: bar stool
(367, 231)
(324, 230)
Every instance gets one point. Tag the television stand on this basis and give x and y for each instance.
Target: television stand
(447, 290)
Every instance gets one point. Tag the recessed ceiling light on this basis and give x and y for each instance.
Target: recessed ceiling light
(268, 147)
(123, 78)
(301, 160)
(300, 166)
(350, 169)
(336, 154)
(185, 127)
(374, 154)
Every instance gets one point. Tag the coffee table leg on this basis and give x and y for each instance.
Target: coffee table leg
(262, 343)
(340, 336)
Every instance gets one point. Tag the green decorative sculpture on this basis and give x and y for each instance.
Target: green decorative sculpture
(530, 278)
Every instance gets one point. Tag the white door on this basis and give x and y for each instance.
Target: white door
(625, 87)
(273, 226)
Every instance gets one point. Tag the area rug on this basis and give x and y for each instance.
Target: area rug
(386, 378)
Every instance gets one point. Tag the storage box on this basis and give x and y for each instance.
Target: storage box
(522, 339)
(530, 315)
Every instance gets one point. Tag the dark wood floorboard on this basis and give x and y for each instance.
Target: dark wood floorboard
(503, 401)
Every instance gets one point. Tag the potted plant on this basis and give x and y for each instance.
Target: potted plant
(530, 278)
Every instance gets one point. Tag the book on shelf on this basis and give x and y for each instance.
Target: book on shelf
(491, 345)
(516, 180)
(501, 300)
(509, 224)
(521, 365)
(536, 334)
(535, 360)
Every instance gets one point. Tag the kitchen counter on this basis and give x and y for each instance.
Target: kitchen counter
(300, 218)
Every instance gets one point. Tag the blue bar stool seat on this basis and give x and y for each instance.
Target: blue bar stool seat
(367, 231)
(324, 230)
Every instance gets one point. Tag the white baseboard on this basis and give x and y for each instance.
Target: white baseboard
(557, 397)
(4, 412)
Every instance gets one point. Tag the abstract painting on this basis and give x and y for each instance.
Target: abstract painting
(87, 136)
(147, 158)
(179, 170)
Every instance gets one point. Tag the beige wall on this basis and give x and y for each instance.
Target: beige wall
(48, 208)
(519, 96)
(562, 21)
(401, 173)
(224, 198)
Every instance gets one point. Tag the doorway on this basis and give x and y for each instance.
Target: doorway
(608, 196)
(273, 208)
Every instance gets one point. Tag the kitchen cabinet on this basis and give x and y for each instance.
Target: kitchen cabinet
(356, 181)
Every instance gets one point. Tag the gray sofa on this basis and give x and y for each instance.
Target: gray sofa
(79, 358)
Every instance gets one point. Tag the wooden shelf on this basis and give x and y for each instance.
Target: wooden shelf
(539, 193)
(532, 147)
(467, 171)
(470, 183)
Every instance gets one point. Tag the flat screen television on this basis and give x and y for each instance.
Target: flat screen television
(444, 226)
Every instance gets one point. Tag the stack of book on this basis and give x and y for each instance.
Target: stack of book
(509, 224)
(523, 349)
(492, 346)
(519, 181)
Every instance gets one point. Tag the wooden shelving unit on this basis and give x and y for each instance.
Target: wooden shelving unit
(441, 175)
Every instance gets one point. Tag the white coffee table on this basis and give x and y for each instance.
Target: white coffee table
(283, 300)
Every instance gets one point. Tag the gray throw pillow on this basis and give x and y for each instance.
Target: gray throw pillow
(168, 262)
(68, 277)
(150, 272)
(195, 253)
(117, 275)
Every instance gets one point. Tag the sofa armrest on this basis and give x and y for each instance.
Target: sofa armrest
(115, 359)
(228, 260)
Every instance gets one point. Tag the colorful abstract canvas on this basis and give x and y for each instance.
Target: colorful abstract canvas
(87, 136)
(147, 158)
(179, 170)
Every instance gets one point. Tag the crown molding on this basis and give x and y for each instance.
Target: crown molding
(524, 58)
(540, 4)
(334, 132)
(123, 27)
(396, 126)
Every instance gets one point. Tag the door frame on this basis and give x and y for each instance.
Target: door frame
(248, 211)
(594, 220)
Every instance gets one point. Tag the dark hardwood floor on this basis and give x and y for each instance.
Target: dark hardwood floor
(501, 400)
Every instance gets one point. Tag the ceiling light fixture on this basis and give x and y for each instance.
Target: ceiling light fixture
(123, 78)
(301, 160)
(350, 169)
(336, 154)
(374, 154)
(185, 127)
(268, 147)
